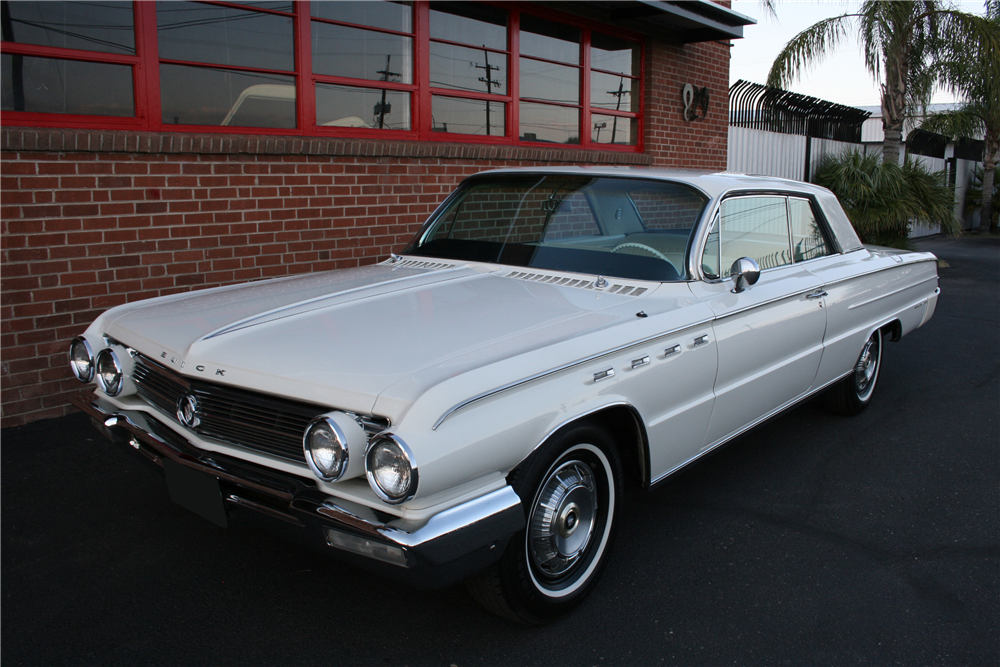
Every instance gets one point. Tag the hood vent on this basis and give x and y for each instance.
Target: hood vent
(418, 264)
(624, 290)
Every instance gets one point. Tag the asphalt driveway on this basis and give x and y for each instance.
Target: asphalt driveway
(815, 540)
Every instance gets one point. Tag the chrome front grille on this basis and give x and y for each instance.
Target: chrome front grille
(245, 418)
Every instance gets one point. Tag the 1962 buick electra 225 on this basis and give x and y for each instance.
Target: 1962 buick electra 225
(475, 407)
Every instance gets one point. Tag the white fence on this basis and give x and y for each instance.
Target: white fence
(776, 154)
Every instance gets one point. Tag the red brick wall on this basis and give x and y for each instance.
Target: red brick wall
(92, 219)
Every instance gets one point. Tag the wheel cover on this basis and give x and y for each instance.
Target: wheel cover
(563, 519)
(866, 370)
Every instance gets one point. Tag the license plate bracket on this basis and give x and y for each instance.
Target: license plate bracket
(195, 491)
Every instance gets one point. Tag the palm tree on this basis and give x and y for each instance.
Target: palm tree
(901, 41)
(882, 199)
(975, 79)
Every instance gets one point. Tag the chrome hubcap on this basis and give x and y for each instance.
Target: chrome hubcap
(563, 519)
(864, 370)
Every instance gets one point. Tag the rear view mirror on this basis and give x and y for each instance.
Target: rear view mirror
(744, 273)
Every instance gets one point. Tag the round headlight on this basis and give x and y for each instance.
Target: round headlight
(109, 372)
(325, 446)
(81, 359)
(390, 470)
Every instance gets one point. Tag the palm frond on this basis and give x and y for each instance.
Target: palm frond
(963, 122)
(808, 47)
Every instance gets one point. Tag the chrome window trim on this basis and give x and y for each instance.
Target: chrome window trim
(559, 369)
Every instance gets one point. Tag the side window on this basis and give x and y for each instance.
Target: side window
(755, 227)
(807, 236)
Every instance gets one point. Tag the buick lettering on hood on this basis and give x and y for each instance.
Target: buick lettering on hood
(474, 408)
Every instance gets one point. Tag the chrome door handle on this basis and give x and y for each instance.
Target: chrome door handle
(701, 340)
(816, 295)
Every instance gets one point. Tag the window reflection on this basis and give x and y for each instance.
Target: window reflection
(50, 85)
(207, 96)
(347, 106)
(548, 123)
(614, 54)
(224, 36)
(461, 68)
(469, 23)
(552, 41)
(361, 54)
(613, 130)
(552, 83)
(609, 91)
(388, 15)
(464, 116)
(88, 26)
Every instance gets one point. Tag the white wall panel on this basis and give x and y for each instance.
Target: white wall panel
(766, 153)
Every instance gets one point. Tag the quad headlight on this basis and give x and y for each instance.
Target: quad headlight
(334, 446)
(110, 375)
(391, 471)
(81, 359)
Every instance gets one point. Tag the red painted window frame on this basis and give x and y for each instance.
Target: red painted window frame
(146, 85)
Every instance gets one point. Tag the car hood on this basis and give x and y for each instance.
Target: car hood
(341, 338)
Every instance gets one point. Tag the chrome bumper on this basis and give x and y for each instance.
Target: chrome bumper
(445, 549)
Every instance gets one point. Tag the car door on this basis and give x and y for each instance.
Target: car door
(769, 337)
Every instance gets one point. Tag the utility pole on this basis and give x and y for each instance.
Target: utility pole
(621, 92)
(490, 83)
(599, 126)
(382, 108)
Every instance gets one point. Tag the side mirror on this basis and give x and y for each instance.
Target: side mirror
(744, 273)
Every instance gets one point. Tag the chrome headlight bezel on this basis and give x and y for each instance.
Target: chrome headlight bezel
(89, 352)
(343, 457)
(108, 356)
(388, 441)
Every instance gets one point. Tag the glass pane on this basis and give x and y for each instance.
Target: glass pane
(48, 85)
(580, 223)
(264, 4)
(345, 106)
(451, 114)
(755, 227)
(88, 26)
(614, 54)
(224, 36)
(710, 258)
(460, 68)
(361, 54)
(206, 96)
(544, 122)
(619, 93)
(469, 23)
(613, 130)
(553, 83)
(549, 40)
(396, 16)
(807, 236)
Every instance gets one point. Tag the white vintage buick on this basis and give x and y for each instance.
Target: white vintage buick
(475, 407)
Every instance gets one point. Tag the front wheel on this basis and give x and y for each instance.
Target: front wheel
(853, 394)
(572, 492)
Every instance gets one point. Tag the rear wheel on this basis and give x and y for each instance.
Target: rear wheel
(853, 394)
(571, 492)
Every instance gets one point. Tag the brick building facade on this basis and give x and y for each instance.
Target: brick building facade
(95, 215)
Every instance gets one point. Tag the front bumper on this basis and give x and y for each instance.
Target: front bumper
(445, 549)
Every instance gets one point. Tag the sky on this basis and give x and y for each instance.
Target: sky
(841, 77)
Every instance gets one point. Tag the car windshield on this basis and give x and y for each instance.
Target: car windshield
(621, 227)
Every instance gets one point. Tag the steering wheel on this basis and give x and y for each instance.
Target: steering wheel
(642, 246)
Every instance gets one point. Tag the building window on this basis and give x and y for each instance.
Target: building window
(464, 71)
